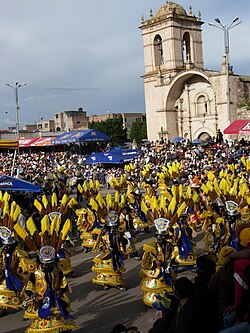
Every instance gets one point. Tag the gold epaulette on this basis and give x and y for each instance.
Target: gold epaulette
(21, 253)
(97, 231)
(150, 247)
(27, 265)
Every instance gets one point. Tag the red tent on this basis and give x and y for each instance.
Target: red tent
(238, 127)
(26, 142)
(42, 142)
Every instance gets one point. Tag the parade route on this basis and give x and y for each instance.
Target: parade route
(96, 310)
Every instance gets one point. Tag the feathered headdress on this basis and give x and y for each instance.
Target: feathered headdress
(51, 232)
(52, 229)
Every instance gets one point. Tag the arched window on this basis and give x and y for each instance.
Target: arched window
(158, 51)
(202, 106)
(186, 48)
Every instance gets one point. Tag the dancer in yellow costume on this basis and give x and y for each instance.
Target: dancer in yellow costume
(185, 247)
(156, 268)
(128, 233)
(47, 289)
(61, 211)
(86, 224)
(47, 303)
(108, 265)
(12, 281)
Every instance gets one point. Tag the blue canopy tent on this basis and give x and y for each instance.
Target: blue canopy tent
(8, 183)
(178, 139)
(113, 156)
(90, 135)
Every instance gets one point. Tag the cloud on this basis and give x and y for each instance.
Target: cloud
(90, 53)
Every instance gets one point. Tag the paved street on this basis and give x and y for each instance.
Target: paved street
(95, 310)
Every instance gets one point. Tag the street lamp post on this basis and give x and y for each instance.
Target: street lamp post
(16, 87)
(226, 28)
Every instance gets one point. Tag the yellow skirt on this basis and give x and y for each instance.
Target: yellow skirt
(64, 264)
(8, 298)
(87, 240)
(153, 286)
(55, 324)
(105, 274)
(139, 225)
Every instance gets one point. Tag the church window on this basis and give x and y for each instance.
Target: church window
(186, 48)
(202, 106)
(158, 51)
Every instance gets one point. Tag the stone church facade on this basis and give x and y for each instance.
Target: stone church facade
(182, 98)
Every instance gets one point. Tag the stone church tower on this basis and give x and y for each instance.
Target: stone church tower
(181, 97)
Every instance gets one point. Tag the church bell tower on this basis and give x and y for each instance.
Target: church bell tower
(172, 43)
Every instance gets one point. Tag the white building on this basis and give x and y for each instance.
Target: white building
(181, 97)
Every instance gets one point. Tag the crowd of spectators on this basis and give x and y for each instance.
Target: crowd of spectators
(204, 305)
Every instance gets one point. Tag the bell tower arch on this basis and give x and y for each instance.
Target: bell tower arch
(172, 42)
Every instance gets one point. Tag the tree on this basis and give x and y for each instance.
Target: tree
(138, 131)
(113, 128)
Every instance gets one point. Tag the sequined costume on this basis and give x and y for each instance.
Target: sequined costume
(156, 271)
(86, 224)
(184, 251)
(49, 307)
(12, 279)
(47, 304)
(108, 265)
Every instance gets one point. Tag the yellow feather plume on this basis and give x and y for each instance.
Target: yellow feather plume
(45, 201)
(55, 224)
(167, 195)
(217, 190)
(209, 186)
(174, 190)
(123, 200)
(6, 208)
(79, 187)
(66, 228)
(94, 204)
(210, 175)
(109, 200)
(72, 202)
(65, 200)
(97, 185)
(17, 212)
(154, 204)
(181, 194)
(20, 231)
(144, 207)
(38, 205)
(162, 203)
(195, 197)
(100, 200)
(12, 208)
(91, 184)
(243, 189)
(85, 187)
(54, 200)
(45, 223)
(204, 188)
(117, 197)
(31, 226)
(6, 196)
(188, 192)
(172, 205)
(181, 208)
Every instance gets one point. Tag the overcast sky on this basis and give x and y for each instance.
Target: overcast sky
(89, 53)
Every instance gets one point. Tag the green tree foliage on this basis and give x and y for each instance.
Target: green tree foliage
(245, 104)
(113, 128)
(138, 131)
